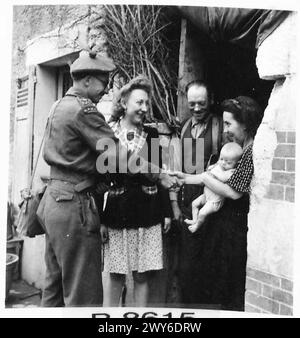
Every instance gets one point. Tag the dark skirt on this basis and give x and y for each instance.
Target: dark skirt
(212, 268)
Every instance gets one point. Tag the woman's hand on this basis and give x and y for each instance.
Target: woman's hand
(177, 214)
(104, 233)
(167, 225)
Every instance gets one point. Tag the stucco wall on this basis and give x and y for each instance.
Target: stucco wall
(39, 36)
(30, 22)
(33, 265)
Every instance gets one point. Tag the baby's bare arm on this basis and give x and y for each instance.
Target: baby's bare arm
(222, 175)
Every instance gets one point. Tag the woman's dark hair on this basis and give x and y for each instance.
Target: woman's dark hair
(139, 82)
(246, 111)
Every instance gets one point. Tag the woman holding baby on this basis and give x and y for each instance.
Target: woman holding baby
(217, 271)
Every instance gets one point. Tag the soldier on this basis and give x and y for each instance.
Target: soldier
(68, 210)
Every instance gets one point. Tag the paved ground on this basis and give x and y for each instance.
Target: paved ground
(22, 295)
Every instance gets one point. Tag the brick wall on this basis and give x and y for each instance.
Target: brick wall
(268, 293)
(282, 186)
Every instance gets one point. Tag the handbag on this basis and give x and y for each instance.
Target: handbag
(27, 221)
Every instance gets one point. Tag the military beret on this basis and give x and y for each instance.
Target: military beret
(92, 62)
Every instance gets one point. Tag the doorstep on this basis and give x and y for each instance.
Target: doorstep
(23, 295)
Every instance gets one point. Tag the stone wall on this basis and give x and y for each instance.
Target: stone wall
(272, 214)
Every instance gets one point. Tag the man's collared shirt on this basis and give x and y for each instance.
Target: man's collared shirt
(198, 127)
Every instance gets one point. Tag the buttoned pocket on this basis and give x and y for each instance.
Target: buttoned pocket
(60, 196)
(62, 211)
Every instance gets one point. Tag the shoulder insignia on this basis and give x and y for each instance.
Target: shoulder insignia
(87, 105)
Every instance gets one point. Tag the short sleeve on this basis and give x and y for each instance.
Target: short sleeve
(241, 178)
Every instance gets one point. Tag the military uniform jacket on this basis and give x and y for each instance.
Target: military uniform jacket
(72, 134)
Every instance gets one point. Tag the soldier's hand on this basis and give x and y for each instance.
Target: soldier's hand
(180, 175)
(169, 182)
(104, 233)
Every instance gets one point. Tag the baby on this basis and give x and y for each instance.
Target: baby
(210, 202)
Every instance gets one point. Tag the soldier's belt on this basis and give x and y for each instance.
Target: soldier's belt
(79, 187)
(80, 182)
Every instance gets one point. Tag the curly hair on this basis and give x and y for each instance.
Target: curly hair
(246, 111)
(139, 82)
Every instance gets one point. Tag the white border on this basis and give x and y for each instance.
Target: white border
(6, 56)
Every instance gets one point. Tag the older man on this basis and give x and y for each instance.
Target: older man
(202, 124)
(68, 210)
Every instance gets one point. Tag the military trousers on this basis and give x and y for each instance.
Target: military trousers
(73, 247)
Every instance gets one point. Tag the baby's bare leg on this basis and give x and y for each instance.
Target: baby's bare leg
(206, 210)
(196, 204)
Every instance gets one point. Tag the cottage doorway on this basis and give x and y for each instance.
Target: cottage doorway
(230, 69)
